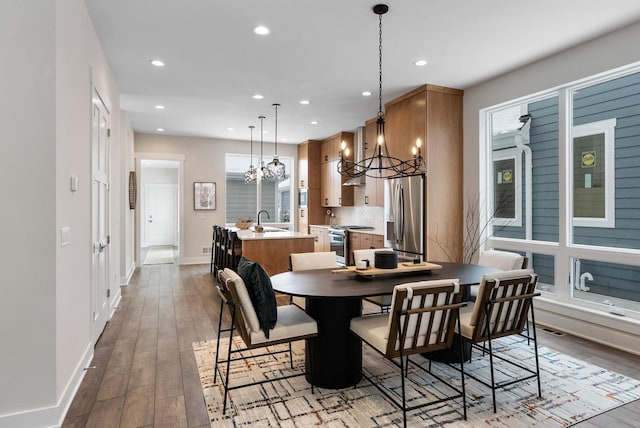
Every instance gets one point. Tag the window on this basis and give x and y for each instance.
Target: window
(244, 199)
(594, 174)
(580, 206)
(507, 197)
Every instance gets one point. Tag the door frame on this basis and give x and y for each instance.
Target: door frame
(139, 156)
(95, 332)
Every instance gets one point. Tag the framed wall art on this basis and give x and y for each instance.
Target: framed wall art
(204, 195)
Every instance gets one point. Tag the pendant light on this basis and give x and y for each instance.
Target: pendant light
(381, 164)
(251, 175)
(276, 168)
(264, 174)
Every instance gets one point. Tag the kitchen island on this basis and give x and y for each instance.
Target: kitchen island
(272, 247)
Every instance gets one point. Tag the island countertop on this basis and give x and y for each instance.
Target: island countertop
(249, 235)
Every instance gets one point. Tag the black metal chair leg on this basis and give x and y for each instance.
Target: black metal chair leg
(535, 344)
(215, 371)
(464, 393)
(226, 382)
(493, 384)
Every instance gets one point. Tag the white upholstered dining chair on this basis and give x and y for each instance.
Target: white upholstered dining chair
(504, 302)
(503, 260)
(292, 324)
(423, 318)
(369, 254)
(310, 261)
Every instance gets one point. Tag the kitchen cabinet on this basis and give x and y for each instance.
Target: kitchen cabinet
(374, 187)
(321, 238)
(309, 180)
(363, 241)
(333, 193)
(433, 114)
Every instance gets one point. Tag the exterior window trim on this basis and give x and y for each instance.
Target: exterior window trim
(516, 155)
(606, 127)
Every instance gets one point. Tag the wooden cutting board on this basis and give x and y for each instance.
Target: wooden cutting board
(402, 268)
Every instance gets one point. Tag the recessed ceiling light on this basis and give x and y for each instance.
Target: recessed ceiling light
(159, 107)
(231, 129)
(258, 97)
(421, 62)
(304, 102)
(314, 122)
(157, 62)
(261, 30)
(160, 129)
(366, 94)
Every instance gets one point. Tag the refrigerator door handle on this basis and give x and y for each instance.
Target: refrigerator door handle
(400, 219)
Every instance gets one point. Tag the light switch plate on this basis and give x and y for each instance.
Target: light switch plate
(65, 236)
(74, 183)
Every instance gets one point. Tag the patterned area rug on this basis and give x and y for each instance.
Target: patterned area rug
(159, 255)
(572, 391)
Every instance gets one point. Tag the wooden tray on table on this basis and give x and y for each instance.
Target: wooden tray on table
(403, 267)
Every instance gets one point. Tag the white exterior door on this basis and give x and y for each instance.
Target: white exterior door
(161, 206)
(100, 163)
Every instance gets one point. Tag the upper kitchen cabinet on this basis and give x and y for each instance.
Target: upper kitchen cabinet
(433, 114)
(333, 193)
(309, 163)
(309, 208)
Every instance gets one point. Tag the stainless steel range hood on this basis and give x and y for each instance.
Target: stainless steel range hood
(358, 155)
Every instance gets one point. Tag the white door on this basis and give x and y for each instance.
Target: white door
(161, 206)
(100, 160)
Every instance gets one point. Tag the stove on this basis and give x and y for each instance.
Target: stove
(342, 228)
(339, 242)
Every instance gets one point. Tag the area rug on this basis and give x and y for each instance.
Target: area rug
(572, 391)
(159, 255)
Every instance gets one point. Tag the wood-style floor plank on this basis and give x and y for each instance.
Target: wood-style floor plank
(145, 372)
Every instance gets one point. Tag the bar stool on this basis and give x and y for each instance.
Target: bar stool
(220, 240)
(213, 247)
(233, 250)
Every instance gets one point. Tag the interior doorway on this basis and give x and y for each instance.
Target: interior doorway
(159, 218)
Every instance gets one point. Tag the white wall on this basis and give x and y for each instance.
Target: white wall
(127, 216)
(48, 50)
(27, 183)
(204, 161)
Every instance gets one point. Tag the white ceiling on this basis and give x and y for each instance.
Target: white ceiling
(323, 51)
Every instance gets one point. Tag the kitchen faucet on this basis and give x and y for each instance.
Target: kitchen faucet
(263, 211)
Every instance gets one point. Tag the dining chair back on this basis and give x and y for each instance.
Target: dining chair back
(423, 318)
(505, 300)
(370, 254)
(309, 261)
(503, 260)
(292, 325)
(315, 260)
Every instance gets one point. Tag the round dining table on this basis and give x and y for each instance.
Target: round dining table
(333, 359)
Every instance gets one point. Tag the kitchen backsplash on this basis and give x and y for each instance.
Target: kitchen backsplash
(362, 216)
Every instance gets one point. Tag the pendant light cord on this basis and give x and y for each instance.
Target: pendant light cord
(276, 136)
(380, 114)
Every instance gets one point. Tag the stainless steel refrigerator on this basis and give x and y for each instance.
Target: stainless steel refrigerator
(404, 216)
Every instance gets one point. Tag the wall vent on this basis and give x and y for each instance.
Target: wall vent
(206, 250)
(549, 330)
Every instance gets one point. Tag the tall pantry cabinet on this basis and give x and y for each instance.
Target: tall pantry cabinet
(433, 114)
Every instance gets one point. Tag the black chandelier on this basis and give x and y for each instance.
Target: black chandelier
(381, 164)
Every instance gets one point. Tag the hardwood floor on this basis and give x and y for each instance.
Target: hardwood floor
(144, 374)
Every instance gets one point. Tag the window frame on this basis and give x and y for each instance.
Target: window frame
(606, 127)
(505, 154)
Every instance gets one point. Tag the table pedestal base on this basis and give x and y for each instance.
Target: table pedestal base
(333, 358)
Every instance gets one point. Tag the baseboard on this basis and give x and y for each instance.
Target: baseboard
(124, 280)
(115, 302)
(52, 416)
(601, 328)
(195, 260)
